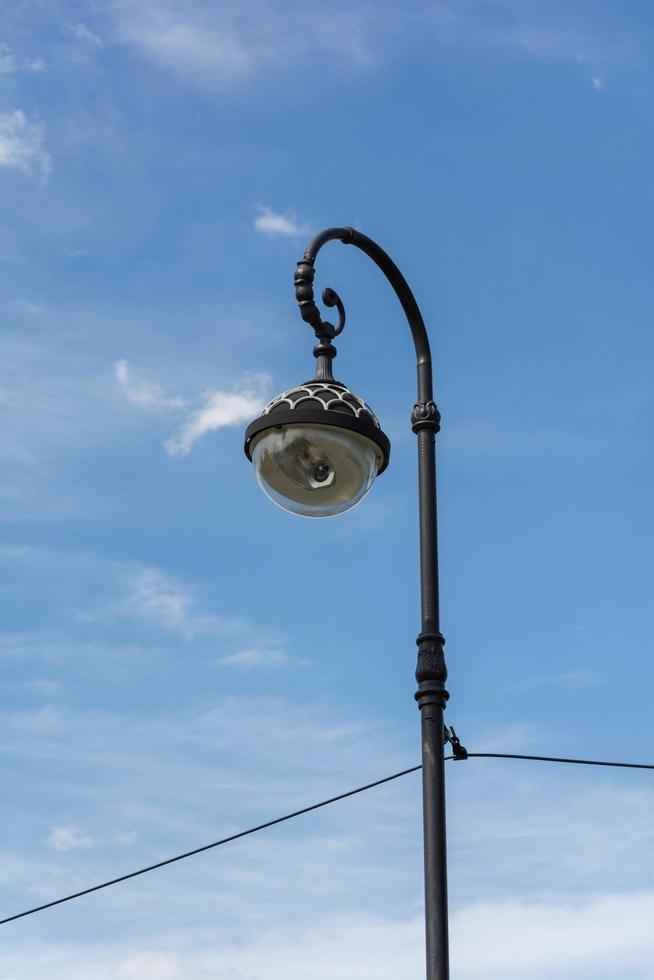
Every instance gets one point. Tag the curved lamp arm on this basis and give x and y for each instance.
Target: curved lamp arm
(425, 418)
(326, 332)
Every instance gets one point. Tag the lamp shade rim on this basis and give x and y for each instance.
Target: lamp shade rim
(310, 416)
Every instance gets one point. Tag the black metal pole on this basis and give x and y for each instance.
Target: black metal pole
(431, 672)
(431, 696)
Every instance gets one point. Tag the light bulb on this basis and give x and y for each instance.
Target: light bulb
(315, 470)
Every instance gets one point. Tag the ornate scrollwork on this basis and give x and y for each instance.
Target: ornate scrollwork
(324, 331)
(331, 298)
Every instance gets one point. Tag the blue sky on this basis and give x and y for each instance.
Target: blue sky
(181, 659)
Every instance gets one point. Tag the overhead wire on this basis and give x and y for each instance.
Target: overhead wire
(309, 809)
(551, 758)
(208, 847)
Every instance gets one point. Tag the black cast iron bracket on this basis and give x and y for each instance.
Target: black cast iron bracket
(459, 752)
(431, 672)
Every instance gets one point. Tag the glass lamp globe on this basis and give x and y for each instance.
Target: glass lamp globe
(314, 470)
(317, 449)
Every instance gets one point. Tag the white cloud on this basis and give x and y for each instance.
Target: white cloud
(102, 592)
(7, 63)
(146, 394)
(219, 409)
(271, 223)
(150, 966)
(21, 144)
(124, 837)
(188, 49)
(27, 306)
(254, 657)
(598, 83)
(68, 839)
(83, 33)
(604, 937)
(228, 44)
(158, 598)
(528, 28)
(164, 602)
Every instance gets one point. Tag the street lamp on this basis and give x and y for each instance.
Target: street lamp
(317, 449)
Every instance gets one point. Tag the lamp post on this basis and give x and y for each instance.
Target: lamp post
(317, 449)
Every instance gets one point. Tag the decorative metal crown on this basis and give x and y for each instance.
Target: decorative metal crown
(328, 396)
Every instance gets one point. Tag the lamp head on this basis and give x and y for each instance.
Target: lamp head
(317, 449)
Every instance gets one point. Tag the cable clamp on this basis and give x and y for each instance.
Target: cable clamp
(458, 751)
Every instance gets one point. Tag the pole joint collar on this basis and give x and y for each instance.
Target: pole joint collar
(425, 415)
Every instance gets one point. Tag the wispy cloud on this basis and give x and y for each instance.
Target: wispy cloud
(165, 602)
(83, 33)
(10, 63)
(151, 595)
(227, 44)
(27, 306)
(214, 409)
(74, 839)
(102, 595)
(202, 55)
(219, 409)
(149, 965)
(69, 839)
(21, 144)
(254, 657)
(535, 30)
(284, 224)
(7, 63)
(145, 394)
(604, 938)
